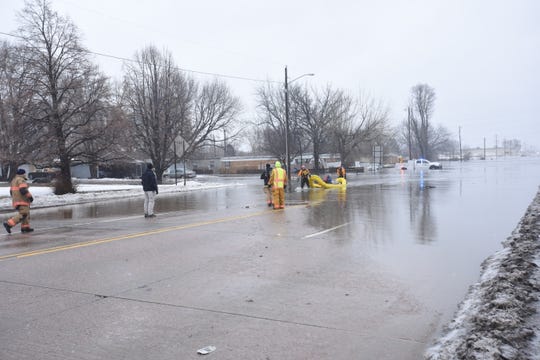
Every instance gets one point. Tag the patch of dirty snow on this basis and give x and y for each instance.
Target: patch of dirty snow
(499, 317)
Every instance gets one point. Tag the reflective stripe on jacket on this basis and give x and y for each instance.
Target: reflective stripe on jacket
(17, 184)
(278, 178)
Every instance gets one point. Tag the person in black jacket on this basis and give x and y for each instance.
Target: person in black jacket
(149, 183)
(267, 190)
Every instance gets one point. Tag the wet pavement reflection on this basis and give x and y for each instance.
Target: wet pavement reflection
(395, 249)
(415, 223)
(412, 204)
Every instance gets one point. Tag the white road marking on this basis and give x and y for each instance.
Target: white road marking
(327, 230)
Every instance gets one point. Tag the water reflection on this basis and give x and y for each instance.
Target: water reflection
(342, 197)
(385, 208)
(328, 209)
(380, 213)
(421, 215)
(202, 201)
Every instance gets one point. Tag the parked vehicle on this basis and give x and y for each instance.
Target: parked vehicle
(41, 177)
(420, 164)
(180, 173)
(373, 167)
(365, 166)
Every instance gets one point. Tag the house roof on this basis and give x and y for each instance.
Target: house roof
(249, 158)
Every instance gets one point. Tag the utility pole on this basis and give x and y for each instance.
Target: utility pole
(484, 148)
(287, 155)
(175, 161)
(460, 154)
(224, 142)
(409, 128)
(184, 157)
(287, 152)
(496, 145)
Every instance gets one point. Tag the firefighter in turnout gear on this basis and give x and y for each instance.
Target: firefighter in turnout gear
(21, 198)
(341, 172)
(278, 181)
(304, 175)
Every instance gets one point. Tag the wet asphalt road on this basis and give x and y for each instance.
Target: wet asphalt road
(372, 272)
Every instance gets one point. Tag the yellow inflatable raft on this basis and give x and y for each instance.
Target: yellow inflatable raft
(316, 182)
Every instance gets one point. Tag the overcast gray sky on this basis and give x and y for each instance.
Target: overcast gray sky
(481, 56)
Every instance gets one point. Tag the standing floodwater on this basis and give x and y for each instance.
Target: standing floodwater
(376, 269)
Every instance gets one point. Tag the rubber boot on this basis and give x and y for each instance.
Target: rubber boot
(8, 228)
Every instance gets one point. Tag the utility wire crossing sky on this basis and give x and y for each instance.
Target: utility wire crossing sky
(481, 56)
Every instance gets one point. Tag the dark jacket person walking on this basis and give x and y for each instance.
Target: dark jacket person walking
(150, 187)
(265, 176)
(21, 198)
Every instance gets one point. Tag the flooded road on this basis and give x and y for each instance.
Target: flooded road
(375, 270)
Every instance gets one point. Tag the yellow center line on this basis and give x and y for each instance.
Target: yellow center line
(128, 236)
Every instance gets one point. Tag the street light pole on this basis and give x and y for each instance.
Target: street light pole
(287, 153)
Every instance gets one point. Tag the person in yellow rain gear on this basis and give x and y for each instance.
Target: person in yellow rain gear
(278, 181)
(304, 175)
(21, 199)
(341, 172)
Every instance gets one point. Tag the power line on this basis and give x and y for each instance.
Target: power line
(115, 57)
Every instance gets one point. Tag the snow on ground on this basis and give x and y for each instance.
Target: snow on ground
(103, 189)
(499, 317)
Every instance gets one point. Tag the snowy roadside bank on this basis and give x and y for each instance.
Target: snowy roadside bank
(498, 318)
(105, 189)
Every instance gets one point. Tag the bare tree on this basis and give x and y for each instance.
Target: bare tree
(319, 112)
(159, 102)
(271, 123)
(69, 91)
(215, 112)
(255, 137)
(19, 137)
(389, 139)
(316, 118)
(422, 106)
(106, 140)
(366, 122)
(440, 140)
(421, 135)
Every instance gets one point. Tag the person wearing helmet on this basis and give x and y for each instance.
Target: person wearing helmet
(265, 176)
(278, 181)
(21, 198)
(341, 172)
(304, 175)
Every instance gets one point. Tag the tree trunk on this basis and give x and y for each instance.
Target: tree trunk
(316, 157)
(94, 170)
(64, 185)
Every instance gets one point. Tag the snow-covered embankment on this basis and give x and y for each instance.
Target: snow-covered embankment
(498, 318)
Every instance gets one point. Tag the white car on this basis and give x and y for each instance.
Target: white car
(426, 164)
(180, 173)
(421, 164)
